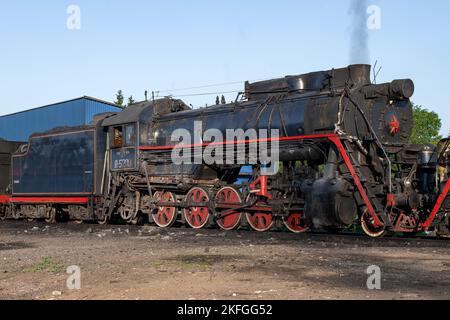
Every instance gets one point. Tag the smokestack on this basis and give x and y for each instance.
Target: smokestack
(359, 42)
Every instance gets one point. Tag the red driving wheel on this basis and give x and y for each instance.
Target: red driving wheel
(259, 220)
(296, 222)
(197, 217)
(165, 216)
(227, 197)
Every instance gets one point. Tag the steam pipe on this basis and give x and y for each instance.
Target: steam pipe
(331, 166)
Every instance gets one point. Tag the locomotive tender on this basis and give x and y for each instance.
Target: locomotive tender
(343, 147)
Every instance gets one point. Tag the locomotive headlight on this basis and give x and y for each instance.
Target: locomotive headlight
(402, 89)
(396, 90)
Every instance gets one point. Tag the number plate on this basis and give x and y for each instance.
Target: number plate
(123, 159)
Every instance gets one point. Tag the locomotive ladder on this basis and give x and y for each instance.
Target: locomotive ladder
(441, 205)
(377, 206)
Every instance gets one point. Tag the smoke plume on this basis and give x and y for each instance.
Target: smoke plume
(359, 44)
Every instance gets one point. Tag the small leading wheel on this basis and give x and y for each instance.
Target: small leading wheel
(165, 216)
(51, 216)
(127, 209)
(368, 227)
(3, 213)
(103, 221)
(227, 197)
(15, 214)
(138, 221)
(197, 217)
(296, 222)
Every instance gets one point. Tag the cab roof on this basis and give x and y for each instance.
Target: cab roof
(142, 111)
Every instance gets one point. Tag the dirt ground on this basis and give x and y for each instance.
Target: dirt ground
(124, 262)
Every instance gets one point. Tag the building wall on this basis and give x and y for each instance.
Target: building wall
(19, 126)
(93, 107)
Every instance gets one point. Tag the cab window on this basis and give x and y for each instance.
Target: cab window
(130, 135)
(118, 137)
(124, 136)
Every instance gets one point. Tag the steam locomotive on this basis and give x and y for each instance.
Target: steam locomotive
(342, 154)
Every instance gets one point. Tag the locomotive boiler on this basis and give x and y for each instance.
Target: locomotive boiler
(342, 157)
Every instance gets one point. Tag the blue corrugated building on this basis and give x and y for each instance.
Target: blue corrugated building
(19, 126)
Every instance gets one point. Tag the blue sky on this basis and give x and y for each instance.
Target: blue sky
(157, 45)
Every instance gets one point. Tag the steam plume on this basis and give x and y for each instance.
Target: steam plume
(359, 44)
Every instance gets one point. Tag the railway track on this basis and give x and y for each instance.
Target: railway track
(277, 234)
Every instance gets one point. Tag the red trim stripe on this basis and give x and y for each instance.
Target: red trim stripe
(78, 200)
(4, 199)
(334, 138)
(437, 207)
(358, 183)
(228, 142)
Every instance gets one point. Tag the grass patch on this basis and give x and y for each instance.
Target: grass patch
(156, 264)
(45, 265)
(194, 262)
(179, 264)
(190, 265)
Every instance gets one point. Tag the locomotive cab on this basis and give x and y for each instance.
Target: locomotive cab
(129, 130)
(123, 146)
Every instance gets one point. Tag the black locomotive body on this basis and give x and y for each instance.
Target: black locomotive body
(342, 147)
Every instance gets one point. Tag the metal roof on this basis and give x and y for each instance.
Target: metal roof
(66, 101)
(71, 113)
(142, 111)
(129, 115)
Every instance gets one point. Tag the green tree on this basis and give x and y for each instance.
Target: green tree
(119, 98)
(131, 100)
(427, 125)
